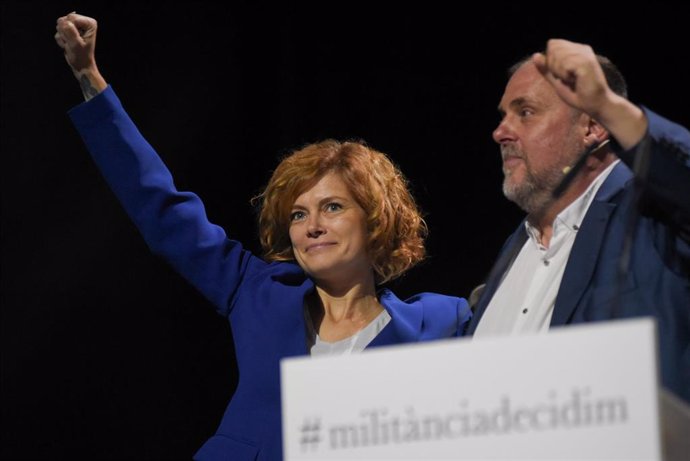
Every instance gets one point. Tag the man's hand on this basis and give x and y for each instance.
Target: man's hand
(575, 73)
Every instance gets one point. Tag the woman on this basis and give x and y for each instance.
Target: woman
(337, 220)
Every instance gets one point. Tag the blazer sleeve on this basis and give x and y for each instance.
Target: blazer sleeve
(666, 168)
(173, 223)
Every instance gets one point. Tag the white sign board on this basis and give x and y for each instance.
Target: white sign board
(581, 392)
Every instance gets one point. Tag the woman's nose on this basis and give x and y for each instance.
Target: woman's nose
(315, 226)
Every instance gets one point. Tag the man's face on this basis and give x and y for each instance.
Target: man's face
(539, 135)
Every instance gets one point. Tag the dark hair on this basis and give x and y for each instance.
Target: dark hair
(614, 77)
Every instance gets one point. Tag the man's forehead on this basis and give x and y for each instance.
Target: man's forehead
(526, 85)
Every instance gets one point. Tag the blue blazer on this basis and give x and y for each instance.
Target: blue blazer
(656, 282)
(264, 302)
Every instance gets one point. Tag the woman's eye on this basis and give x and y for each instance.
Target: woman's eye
(333, 206)
(296, 215)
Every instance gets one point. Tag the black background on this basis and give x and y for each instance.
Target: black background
(106, 352)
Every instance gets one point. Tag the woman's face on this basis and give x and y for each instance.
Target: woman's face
(328, 232)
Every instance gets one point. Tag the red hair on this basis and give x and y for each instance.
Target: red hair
(396, 229)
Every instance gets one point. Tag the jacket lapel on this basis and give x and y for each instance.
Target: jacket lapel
(583, 255)
(511, 249)
(587, 246)
(405, 325)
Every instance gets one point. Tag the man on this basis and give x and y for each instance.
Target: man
(597, 244)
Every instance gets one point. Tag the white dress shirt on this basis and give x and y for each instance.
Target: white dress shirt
(524, 301)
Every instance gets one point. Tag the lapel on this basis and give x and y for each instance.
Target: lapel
(587, 246)
(292, 322)
(405, 324)
(583, 256)
(510, 251)
(581, 262)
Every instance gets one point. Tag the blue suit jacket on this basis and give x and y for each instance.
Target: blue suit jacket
(264, 302)
(657, 280)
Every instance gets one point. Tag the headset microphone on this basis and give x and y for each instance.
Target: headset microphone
(571, 171)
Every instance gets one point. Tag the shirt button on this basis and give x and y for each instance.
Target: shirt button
(524, 311)
(546, 262)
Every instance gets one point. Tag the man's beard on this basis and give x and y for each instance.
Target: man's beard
(535, 192)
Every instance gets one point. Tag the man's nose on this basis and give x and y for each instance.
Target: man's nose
(504, 132)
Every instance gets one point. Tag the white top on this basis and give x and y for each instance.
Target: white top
(524, 301)
(353, 344)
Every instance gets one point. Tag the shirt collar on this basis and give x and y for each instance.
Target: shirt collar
(570, 219)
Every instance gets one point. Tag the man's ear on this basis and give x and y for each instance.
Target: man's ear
(595, 133)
